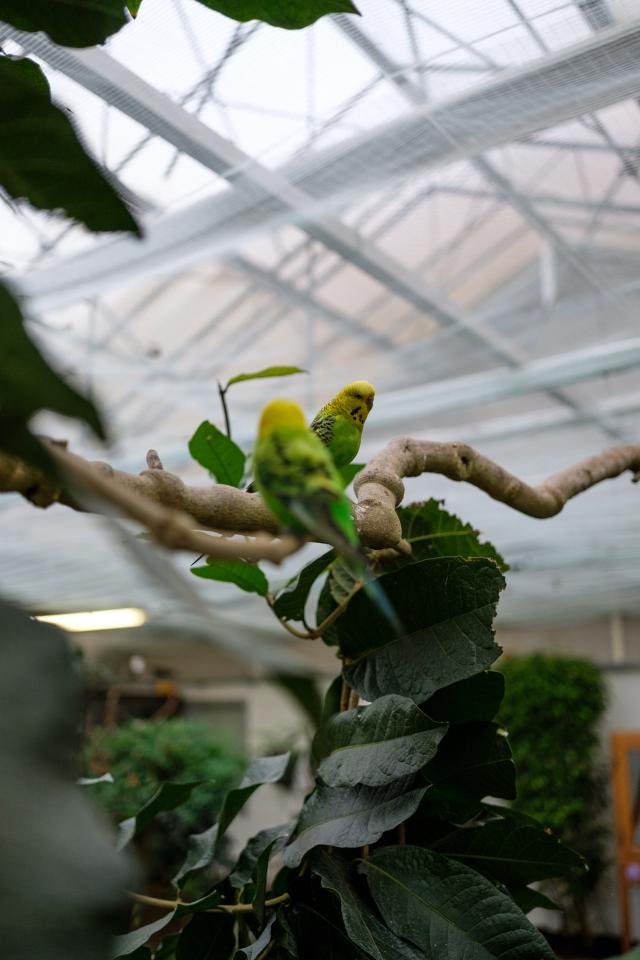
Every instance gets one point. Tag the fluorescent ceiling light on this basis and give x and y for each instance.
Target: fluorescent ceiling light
(118, 619)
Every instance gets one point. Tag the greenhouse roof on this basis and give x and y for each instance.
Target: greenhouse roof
(440, 197)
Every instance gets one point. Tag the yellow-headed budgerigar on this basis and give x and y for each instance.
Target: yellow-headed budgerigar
(299, 482)
(340, 422)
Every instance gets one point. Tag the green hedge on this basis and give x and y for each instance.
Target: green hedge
(552, 709)
(141, 755)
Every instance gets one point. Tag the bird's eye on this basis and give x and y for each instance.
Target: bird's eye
(358, 396)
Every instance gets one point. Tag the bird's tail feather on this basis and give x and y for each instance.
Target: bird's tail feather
(354, 557)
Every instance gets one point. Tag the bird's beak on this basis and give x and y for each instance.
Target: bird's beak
(369, 402)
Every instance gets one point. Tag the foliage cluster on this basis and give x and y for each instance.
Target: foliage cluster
(552, 700)
(141, 755)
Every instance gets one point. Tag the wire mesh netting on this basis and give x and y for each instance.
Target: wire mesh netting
(443, 199)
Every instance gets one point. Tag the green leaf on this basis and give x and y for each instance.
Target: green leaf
(304, 690)
(247, 576)
(447, 909)
(214, 451)
(292, 599)
(128, 943)
(260, 771)
(447, 605)
(41, 158)
(261, 943)
(528, 899)
(268, 371)
(81, 23)
(62, 883)
(320, 745)
(211, 899)
(208, 936)
(433, 532)
(476, 698)
(168, 796)
(133, 6)
(510, 852)
(380, 743)
(28, 385)
(351, 816)
(202, 847)
(350, 472)
(363, 927)
(256, 846)
(474, 758)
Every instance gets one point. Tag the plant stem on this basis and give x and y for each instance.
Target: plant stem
(222, 391)
(402, 834)
(345, 693)
(223, 908)
(316, 632)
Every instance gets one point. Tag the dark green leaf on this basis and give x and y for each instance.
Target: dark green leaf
(292, 599)
(447, 909)
(350, 472)
(476, 698)
(200, 852)
(28, 384)
(260, 944)
(342, 580)
(237, 6)
(320, 745)
(41, 157)
(292, 15)
(502, 810)
(260, 771)
(264, 840)
(214, 451)
(209, 900)
(304, 690)
(168, 796)
(62, 883)
(351, 816)
(203, 846)
(474, 758)
(318, 932)
(513, 853)
(247, 576)
(128, 943)
(364, 928)
(82, 23)
(133, 6)
(208, 936)
(447, 605)
(433, 532)
(326, 605)
(374, 745)
(528, 900)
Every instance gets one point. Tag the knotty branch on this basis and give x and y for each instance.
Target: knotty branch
(178, 515)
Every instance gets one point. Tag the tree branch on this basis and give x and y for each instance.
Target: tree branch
(155, 498)
(379, 486)
(170, 509)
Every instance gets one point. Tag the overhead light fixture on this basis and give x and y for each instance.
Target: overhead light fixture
(90, 620)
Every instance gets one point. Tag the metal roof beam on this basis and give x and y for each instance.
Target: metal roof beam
(426, 136)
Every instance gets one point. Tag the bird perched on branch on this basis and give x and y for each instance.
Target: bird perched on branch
(300, 484)
(340, 422)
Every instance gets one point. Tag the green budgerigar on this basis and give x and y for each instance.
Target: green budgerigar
(340, 423)
(300, 484)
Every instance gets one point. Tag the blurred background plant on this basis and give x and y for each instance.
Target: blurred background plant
(552, 709)
(141, 755)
